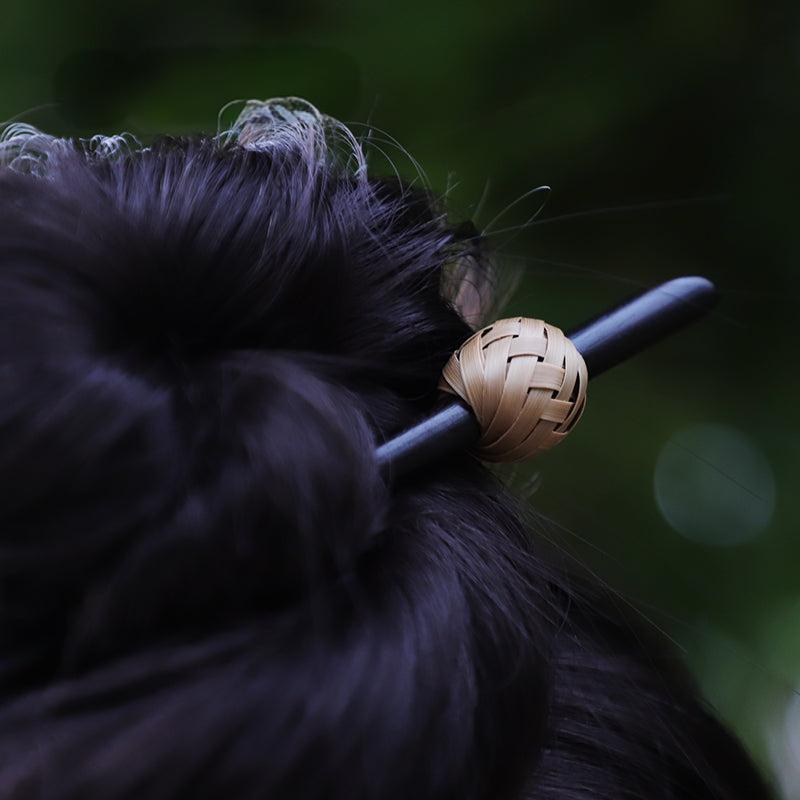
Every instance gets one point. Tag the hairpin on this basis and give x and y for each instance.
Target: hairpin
(520, 384)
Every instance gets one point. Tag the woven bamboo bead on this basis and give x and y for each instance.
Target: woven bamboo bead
(525, 382)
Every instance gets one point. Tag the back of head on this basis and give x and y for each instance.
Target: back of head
(207, 589)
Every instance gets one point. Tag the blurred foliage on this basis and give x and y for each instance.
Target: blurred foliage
(667, 130)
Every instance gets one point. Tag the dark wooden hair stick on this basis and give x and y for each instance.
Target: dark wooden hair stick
(604, 341)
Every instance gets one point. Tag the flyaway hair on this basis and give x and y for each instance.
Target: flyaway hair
(206, 588)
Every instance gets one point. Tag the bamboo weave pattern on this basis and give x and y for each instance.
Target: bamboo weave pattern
(525, 382)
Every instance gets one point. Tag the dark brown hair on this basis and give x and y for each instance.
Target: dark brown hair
(207, 589)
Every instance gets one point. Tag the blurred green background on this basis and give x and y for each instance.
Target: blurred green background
(668, 131)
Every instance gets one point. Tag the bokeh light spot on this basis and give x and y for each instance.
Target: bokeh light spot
(714, 485)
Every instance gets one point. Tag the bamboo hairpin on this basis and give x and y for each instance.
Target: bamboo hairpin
(521, 383)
